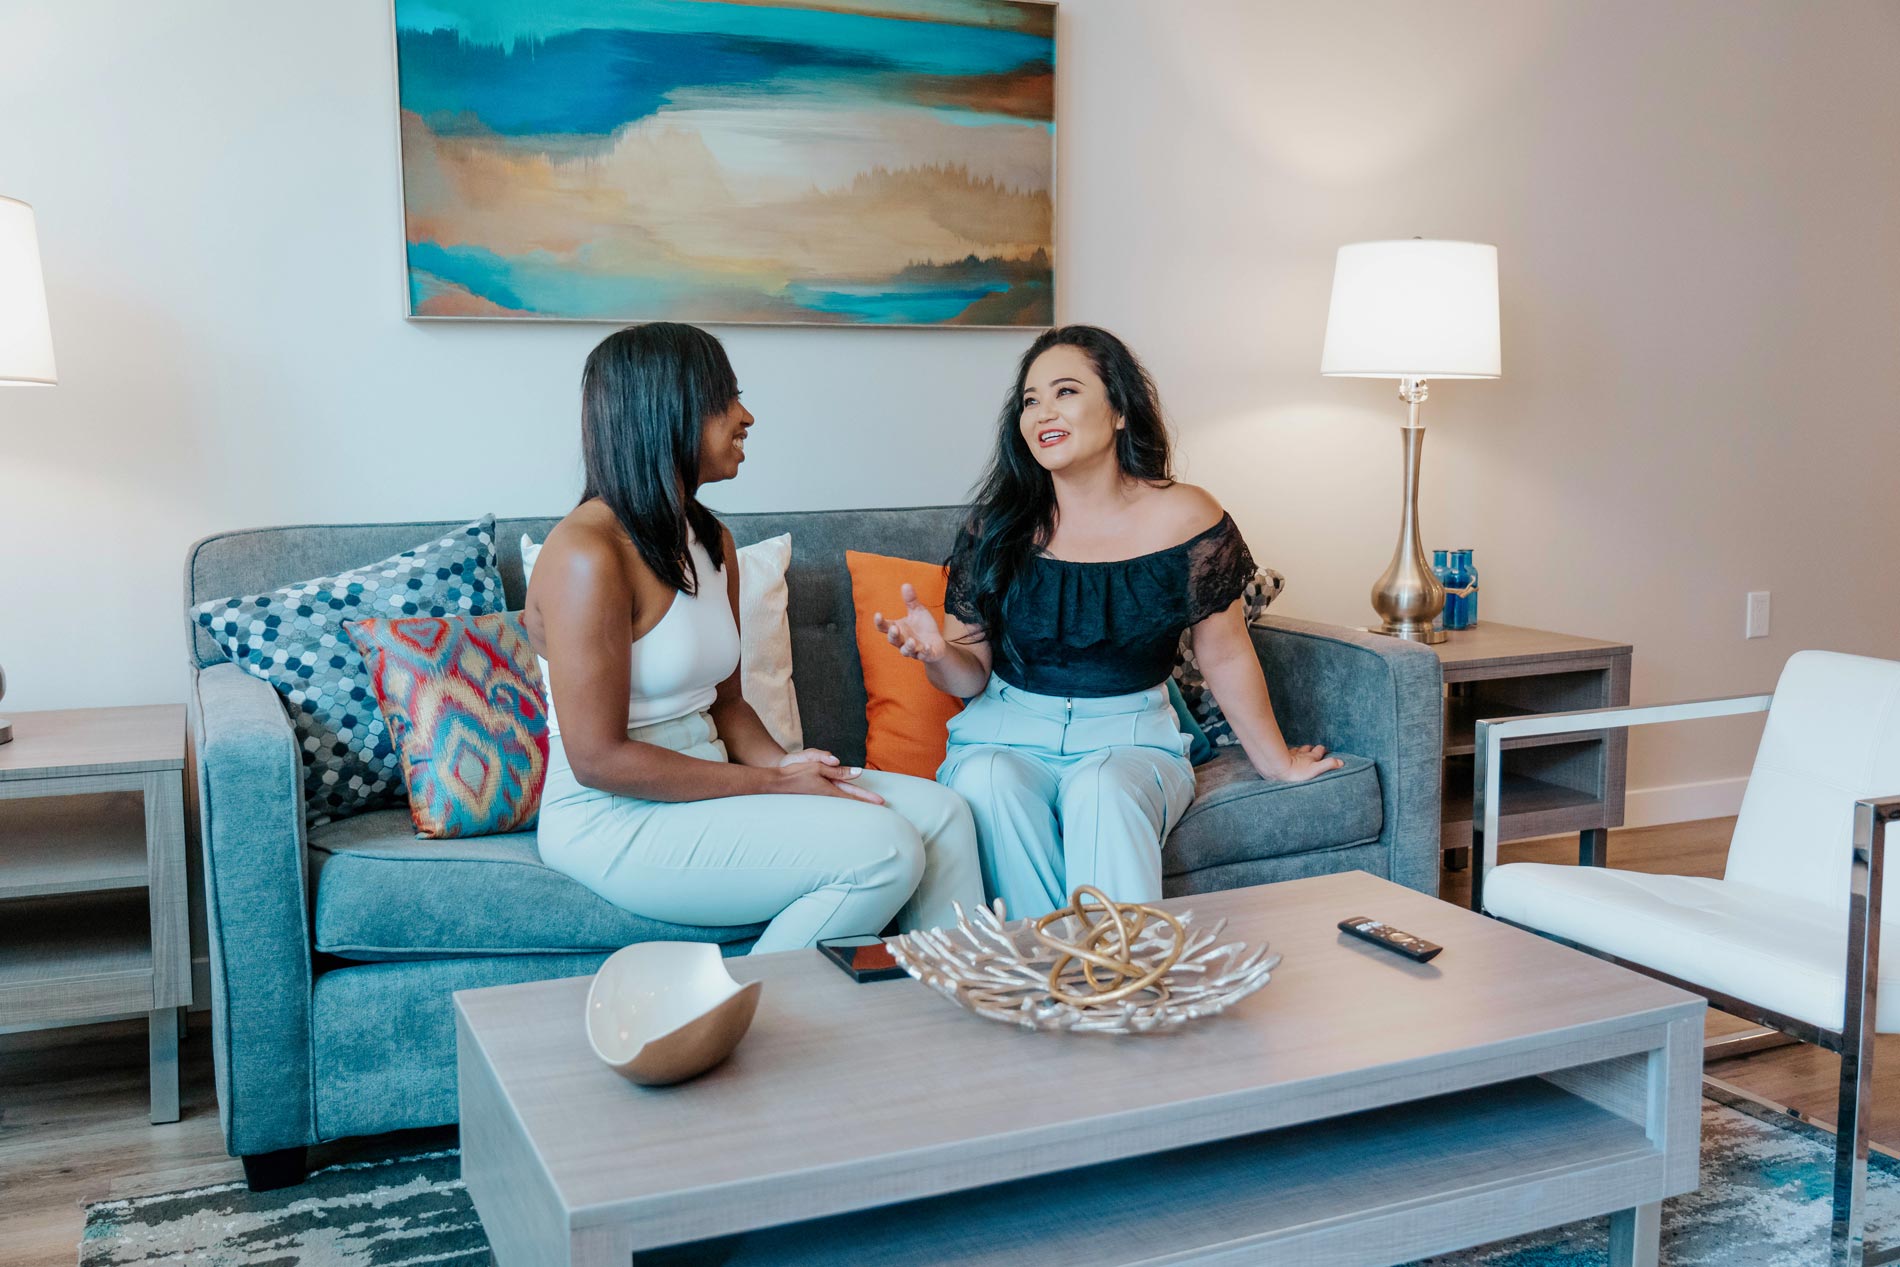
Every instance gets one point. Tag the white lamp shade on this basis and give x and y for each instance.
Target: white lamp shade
(1414, 309)
(26, 335)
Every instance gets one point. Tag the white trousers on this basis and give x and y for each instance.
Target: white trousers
(814, 866)
(1069, 792)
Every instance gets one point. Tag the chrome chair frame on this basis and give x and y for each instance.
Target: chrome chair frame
(1854, 1041)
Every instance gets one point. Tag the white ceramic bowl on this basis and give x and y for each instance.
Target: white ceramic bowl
(664, 1011)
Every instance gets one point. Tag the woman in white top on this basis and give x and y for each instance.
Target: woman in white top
(665, 793)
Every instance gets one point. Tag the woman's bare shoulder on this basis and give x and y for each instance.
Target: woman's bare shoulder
(587, 546)
(1182, 511)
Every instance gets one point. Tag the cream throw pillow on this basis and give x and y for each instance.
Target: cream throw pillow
(765, 635)
(765, 639)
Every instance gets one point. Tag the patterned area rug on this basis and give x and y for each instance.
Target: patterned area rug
(410, 1210)
(1764, 1202)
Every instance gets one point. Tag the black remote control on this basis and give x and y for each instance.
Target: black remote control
(1366, 928)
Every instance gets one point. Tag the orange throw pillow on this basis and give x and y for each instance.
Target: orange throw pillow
(904, 715)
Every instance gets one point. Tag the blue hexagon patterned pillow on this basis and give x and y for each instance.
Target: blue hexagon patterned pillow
(293, 638)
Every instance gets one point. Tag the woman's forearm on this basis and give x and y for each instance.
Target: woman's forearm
(1237, 683)
(747, 740)
(653, 773)
(960, 673)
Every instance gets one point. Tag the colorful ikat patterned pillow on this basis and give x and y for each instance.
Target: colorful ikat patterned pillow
(293, 639)
(463, 700)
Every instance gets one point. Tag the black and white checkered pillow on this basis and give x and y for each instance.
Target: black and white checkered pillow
(293, 638)
(1260, 591)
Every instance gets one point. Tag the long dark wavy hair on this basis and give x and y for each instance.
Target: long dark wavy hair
(1013, 508)
(645, 393)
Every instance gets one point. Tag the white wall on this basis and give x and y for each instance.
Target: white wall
(1697, 207)
(1697, 210)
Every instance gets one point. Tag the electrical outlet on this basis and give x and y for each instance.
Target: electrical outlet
(1757, 626)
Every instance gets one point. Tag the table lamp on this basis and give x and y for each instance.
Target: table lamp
(26, 336)
(1412, 310)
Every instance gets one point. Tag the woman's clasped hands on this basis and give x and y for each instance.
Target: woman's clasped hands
(815, 772)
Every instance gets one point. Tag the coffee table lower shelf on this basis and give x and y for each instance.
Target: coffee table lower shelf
(1385, 1186)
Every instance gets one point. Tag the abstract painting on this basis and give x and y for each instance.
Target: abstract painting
(852, 162)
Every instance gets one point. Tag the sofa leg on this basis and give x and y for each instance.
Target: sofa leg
(285, 1168)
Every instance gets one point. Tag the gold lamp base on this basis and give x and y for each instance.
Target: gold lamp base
(1426, 635)
(1408, 595)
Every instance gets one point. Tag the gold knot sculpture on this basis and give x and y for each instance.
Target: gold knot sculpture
(1102, 965)
(1115, 968)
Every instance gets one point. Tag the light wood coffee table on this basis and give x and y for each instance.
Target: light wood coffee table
(1360, 1109)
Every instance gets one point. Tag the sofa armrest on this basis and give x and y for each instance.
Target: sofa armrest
(1375, 697)
(250, 819)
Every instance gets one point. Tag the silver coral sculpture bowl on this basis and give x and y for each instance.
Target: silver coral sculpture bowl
(1098, 967)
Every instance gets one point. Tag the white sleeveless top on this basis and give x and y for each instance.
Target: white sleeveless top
(680, 662)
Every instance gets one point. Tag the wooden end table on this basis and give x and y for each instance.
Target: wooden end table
(1551, 783)
(93, 904)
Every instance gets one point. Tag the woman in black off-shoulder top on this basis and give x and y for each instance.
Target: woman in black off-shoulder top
(1080, 565)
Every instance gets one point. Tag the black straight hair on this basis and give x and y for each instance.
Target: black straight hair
(1013, 507)
(646, 392)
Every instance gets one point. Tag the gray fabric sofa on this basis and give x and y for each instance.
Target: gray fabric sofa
(334, 952)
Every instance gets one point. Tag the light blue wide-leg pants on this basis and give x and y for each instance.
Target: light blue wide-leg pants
(815, 866)
(1069, 792)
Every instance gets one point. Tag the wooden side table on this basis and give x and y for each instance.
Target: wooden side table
(93, 904)
(1551, 783)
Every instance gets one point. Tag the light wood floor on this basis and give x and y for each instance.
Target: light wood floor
(73, 1102)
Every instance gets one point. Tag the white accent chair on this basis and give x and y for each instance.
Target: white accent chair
(1788, 935)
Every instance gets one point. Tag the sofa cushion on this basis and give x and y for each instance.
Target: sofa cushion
(463, 702)
(383, 894)
(1776, 950)
(1237, 815)
(904, 714)
(1373, 859)
(293, 638)
(382, 1039)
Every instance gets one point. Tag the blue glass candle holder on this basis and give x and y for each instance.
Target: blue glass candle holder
(1461, 591)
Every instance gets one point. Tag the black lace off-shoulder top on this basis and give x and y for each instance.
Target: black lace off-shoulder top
(1086, 630)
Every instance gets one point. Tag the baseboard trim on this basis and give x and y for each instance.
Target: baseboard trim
(1683, 802)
